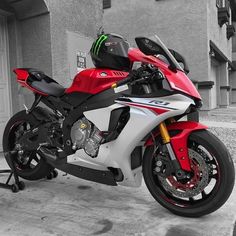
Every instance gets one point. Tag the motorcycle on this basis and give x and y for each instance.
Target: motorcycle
(117, 127)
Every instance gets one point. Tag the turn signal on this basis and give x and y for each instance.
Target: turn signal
(114, 85)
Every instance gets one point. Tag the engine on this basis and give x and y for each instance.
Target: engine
(86, 135)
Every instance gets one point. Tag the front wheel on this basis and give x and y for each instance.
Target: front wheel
(206, 189)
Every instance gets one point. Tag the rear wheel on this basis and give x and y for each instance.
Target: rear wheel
(207, 187)
(28, 164)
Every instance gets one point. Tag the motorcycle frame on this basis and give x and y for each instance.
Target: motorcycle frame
(146, 113)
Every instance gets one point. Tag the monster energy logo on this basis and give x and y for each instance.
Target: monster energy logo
(97, 44)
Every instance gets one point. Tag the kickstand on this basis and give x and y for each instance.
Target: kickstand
(18, 185)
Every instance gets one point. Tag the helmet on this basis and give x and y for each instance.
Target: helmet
(111, 51)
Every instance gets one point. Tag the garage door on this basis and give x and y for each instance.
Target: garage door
(4, 86)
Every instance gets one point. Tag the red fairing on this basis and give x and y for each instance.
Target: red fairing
(22, 77)
(21, 74)
(178, 81)
(179, 141)
(95, 80)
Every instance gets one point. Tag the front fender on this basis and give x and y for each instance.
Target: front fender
(179, 142)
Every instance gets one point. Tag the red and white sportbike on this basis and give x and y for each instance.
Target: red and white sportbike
(113, 127)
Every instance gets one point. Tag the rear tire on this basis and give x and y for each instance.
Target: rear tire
(210, 202)
(40, 168)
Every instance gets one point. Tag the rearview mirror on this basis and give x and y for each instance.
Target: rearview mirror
(148, 47)
(179, 58)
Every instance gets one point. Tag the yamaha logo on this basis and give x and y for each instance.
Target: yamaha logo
(103, 74)
(158, 102)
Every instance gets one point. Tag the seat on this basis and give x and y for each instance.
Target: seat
(43, 83)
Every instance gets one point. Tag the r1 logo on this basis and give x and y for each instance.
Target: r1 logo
(158, 102)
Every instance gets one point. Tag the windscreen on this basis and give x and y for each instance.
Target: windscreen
(170, 57)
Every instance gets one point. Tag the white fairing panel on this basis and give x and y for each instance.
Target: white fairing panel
(117, 153)
(101, 117)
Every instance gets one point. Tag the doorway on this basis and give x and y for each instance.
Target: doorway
(4, 78)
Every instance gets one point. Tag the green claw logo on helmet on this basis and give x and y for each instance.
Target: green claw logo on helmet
(110, 51)
(97, 44)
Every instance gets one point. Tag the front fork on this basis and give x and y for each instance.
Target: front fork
(167, 142)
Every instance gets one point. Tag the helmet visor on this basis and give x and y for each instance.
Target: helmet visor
(117, 48)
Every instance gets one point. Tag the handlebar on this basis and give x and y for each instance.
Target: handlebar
(131, 77)
(124, 81)
(137, 76)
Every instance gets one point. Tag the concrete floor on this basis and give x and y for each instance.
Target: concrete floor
(70, 206)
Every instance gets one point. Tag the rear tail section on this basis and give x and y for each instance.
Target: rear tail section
(22, 76)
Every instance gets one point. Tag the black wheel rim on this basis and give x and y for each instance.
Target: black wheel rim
(30, 159)
(206, 194)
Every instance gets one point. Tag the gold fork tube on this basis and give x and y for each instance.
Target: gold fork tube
(164, 133)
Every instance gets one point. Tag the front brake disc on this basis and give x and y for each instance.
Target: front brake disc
(193, 186)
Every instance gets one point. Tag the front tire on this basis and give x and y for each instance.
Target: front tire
(220, 171)
(30, 166)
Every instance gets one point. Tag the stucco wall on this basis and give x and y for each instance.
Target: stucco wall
(78, 45)
(29, 43)
(5, 7)
(36, 43)
(234, 40)
(39, 36)
(27, 8)
(79, 16)
(181, 25)
(15, 59)
(216, 33)
(33, 29)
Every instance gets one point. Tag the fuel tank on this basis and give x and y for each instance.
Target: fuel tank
(95, 80)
